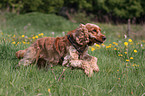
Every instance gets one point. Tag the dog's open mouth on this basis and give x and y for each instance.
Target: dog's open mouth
(98, 42)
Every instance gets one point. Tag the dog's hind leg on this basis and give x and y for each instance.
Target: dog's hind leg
(29, 57)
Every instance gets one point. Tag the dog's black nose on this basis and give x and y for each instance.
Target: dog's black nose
(104, 38)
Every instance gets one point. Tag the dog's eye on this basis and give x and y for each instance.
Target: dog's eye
(94, 30)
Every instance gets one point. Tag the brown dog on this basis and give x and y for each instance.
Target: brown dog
(53, 51)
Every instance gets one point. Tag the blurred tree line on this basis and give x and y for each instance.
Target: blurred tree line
(117, 11)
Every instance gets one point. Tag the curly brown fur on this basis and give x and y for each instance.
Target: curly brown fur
(53, 51)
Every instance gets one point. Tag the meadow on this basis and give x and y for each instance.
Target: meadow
(120, 59)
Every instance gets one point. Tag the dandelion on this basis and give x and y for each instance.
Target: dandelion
(117, 70)
(125, 52)
(36, 36)
(103, 45)
(23, 35)
(131, 57)
(115, 43)
(49, 90)
(42, 34)
(127, 60)
(125, 43)
(108, 47)
(135, 51)
(120, 55)
(98, 46)
(129, 40)
(24, 42)
(143, 41)
(33, 37)
(13, 42)
(115, 48)
(92, 49)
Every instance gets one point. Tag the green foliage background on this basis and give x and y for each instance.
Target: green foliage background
(119, 8)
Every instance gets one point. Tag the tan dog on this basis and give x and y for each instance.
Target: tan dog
(84, 60)
(72, 48)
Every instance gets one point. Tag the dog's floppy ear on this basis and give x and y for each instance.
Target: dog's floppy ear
(81, 35)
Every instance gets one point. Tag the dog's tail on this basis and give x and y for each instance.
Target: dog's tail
(20, 53)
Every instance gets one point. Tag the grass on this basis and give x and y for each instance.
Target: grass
(117, 76)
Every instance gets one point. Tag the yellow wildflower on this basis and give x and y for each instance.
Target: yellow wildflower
(103, 45)
(125, 52)
(14, 35)
(117, 70)
(33, 37)
(48, 90)
(125, 43)
(115, 48)
(23, 35)
(92, 49)
(131, 57)
(42, 34)
(129, 40)
(120, 55)
(108, 46)
(127, 60)
(98, 46)
(24, 42)
(13, 42)
(135, 51)
(36, 36)
(115, 43)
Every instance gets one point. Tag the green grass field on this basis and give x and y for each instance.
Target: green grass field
(121, 60)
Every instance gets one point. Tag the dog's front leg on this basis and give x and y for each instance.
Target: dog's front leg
(93, 64)
(92, 61)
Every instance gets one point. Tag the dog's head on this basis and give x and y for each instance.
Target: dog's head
(95, 35)
(88, 35)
